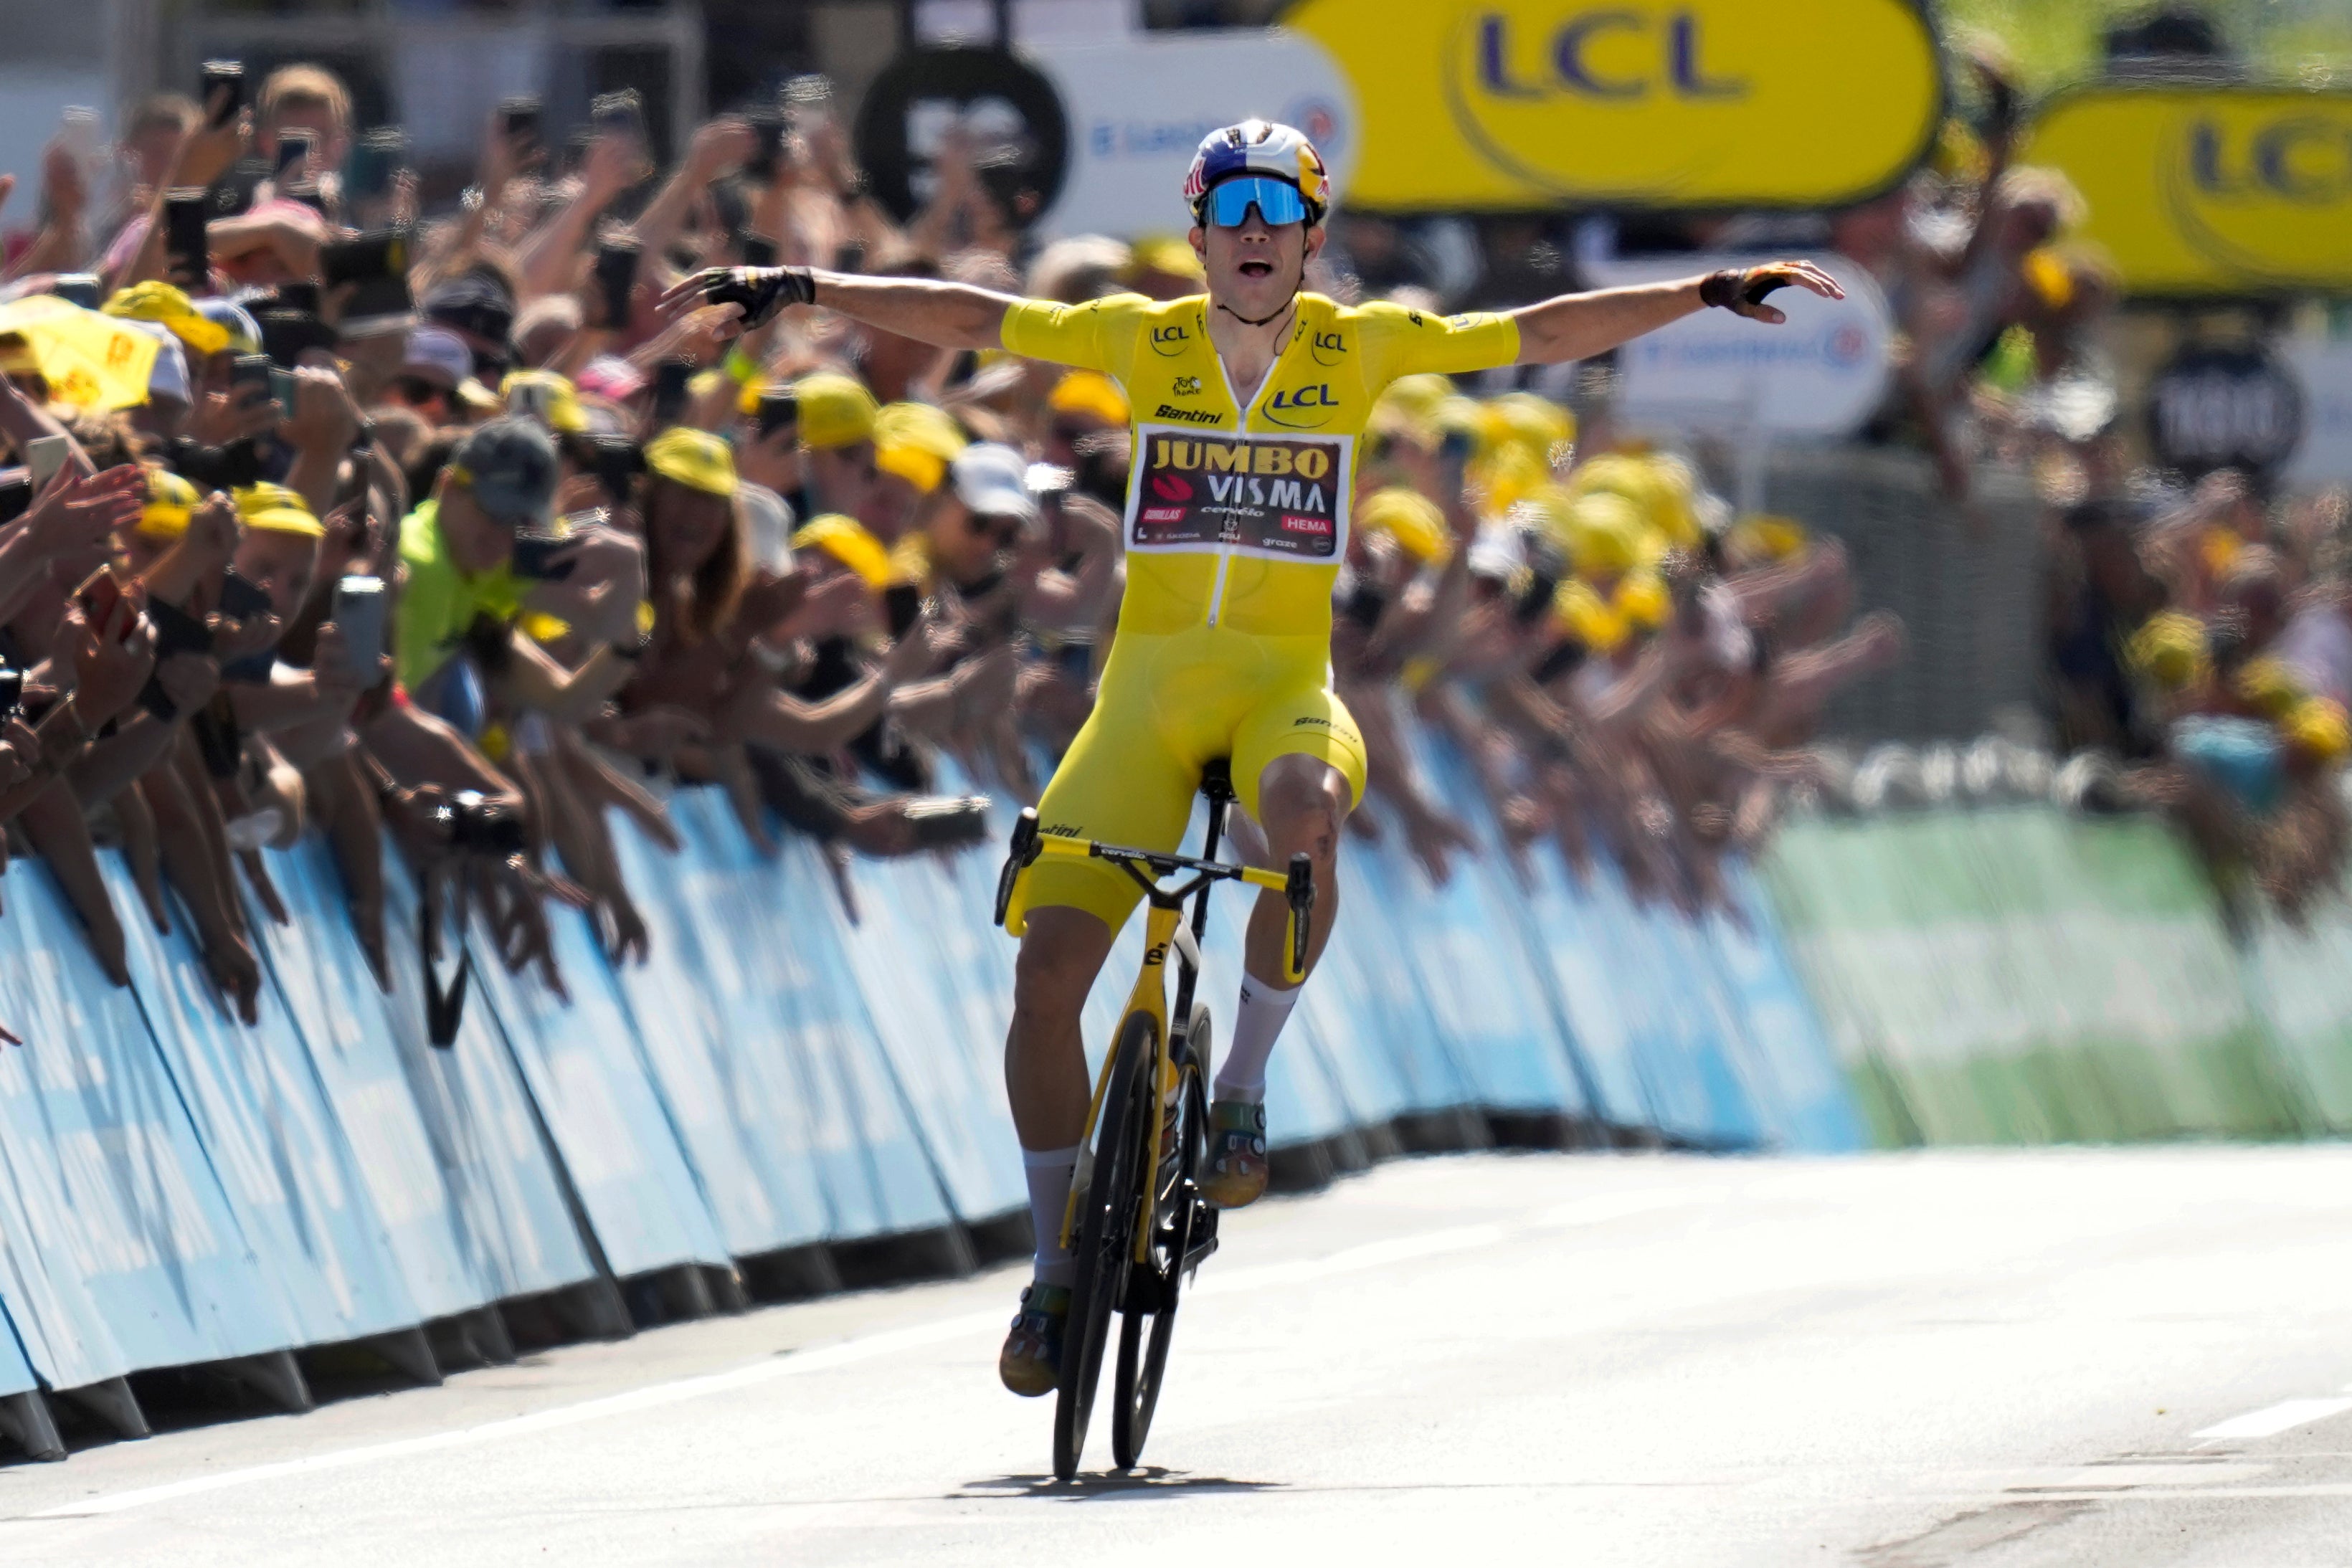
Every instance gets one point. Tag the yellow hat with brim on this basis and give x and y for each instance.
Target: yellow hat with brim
(2271, 687)
(847, 541)
(1417, 396)
(1643, 600)
(275, 509)
(168, 307)
(836, 410)
(171, 502)
(1412, 519)
(916, 443)
(1604, 534)
(1164, 253)
(2317, 727)
(694, 458)
(1577, 609)
(1093, 395)
(2169, 648)
(1762, 538)
(564, 415)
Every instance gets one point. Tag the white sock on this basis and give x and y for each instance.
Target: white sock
(1257, 1023)
(1050, 1172)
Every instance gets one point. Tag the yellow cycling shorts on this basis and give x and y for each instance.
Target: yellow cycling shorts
(1167, 705)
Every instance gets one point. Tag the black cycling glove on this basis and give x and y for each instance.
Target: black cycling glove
(1738, 286)
(762, 291)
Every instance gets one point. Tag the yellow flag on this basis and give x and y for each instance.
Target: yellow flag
(88, 360)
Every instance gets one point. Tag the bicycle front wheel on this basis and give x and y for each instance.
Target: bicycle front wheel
(1149, 1322)
(1105, 1238)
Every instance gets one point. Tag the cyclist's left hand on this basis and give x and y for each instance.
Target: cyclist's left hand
(1742, 289)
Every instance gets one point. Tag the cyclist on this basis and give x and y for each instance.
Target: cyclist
(1247, 403)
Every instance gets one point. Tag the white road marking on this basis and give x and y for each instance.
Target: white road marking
(1588, 1211)
(2272, 1419)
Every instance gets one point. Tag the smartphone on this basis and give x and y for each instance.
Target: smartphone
(384, 254)
(777, 410)
(222, 93)
(177, 631)
(302, 299)
(284, 388)
(99, 595)
(83, 288)
(670, 379)
(242, 599)
(359, 610)
(619, 113)
(249, 370)
(187, 253)
(902, 604)
(808, 101)
(45, 456)
(534, 554)
(521, 115)
(293, 151)
(617, 461)
(375, 158)
(617, 275)
(534, 401)
(15, 497)
(769, 127)
(12, 693)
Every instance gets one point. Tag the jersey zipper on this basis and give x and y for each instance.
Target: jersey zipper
(1217, 594)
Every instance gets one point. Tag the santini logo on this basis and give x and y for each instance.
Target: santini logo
(1189, 416)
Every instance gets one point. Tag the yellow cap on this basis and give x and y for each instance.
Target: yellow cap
(160, 302)
(275, 509)
(1509, 474)
(2317, 727)
(847, 541)
(1662, 488)
(1412, 519)
(2048, 275)
(1164, 253)
(2169, 648)
(1760, 537)
(562, 400)
(1543, 427)
(1093, 394)
(1604, 534)
(1577, 609)
(1417, 396)
(1641, 599)
(836, 410)
(694, 458)
(2271, 685)
(916, 443)
(171, 502)
(2219, 551)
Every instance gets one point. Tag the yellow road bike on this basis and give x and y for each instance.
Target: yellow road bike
(1139, 1226)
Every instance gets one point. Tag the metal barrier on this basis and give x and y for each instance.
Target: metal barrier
(779, 1081)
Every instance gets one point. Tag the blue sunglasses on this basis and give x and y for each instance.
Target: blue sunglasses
(1276, 201)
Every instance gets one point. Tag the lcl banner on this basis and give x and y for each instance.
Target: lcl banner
(1517, 104)
(2209, 190)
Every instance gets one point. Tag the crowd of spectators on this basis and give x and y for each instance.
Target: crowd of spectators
(370, 522)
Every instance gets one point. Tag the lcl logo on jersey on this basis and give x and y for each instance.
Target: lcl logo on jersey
(1170, 341)
(1328, 348)
(1307, 407)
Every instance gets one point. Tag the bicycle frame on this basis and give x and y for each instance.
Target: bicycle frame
(1164, 929)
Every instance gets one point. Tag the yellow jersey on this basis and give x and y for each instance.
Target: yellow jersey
(1239, 519)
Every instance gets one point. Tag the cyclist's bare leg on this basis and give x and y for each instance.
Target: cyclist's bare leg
(1303, 802)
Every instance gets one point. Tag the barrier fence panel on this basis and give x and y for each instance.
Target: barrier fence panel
(590, 1085)
(2301, 981)
(321, 979)
(135, 1257)
(278, 1150)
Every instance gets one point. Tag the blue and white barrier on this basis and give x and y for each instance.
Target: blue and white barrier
(176, 1187)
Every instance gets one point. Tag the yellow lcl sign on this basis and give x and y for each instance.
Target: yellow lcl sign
(2209, 190)
(1657, 103)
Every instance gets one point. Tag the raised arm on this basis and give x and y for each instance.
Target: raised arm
(947, 314)
(1578, 326)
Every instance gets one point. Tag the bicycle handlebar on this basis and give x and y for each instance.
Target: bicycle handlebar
(1030, 845)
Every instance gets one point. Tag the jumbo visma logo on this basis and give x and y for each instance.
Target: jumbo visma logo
(2211, 190)
(1656, 102)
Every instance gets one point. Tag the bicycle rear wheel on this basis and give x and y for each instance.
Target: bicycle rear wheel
(1149, 1324)
(1106, 1239)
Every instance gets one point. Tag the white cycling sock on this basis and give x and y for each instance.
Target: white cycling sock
(1257, 1023)
(1050, 1172)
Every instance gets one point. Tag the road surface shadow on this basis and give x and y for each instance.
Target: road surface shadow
(1144, 1480)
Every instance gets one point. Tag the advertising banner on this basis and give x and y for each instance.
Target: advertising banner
(1138, 108)
(1518, 104)
(2209, 190)
(1277, 497)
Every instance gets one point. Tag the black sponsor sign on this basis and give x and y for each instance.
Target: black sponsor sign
(1271, 494)
(2224, 407)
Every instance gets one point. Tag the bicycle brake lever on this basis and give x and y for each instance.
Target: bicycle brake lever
(1023, 852)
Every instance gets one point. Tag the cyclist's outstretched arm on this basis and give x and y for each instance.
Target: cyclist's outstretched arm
(947, 314)
(1578, 326)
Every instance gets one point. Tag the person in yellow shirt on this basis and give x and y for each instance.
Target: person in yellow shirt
(1247, 405)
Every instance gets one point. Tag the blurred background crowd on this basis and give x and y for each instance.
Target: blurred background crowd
(356, 487)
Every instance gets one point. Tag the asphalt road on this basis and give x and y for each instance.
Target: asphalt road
(2138, 1357)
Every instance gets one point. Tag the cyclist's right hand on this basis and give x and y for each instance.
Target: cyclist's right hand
(756, 293)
